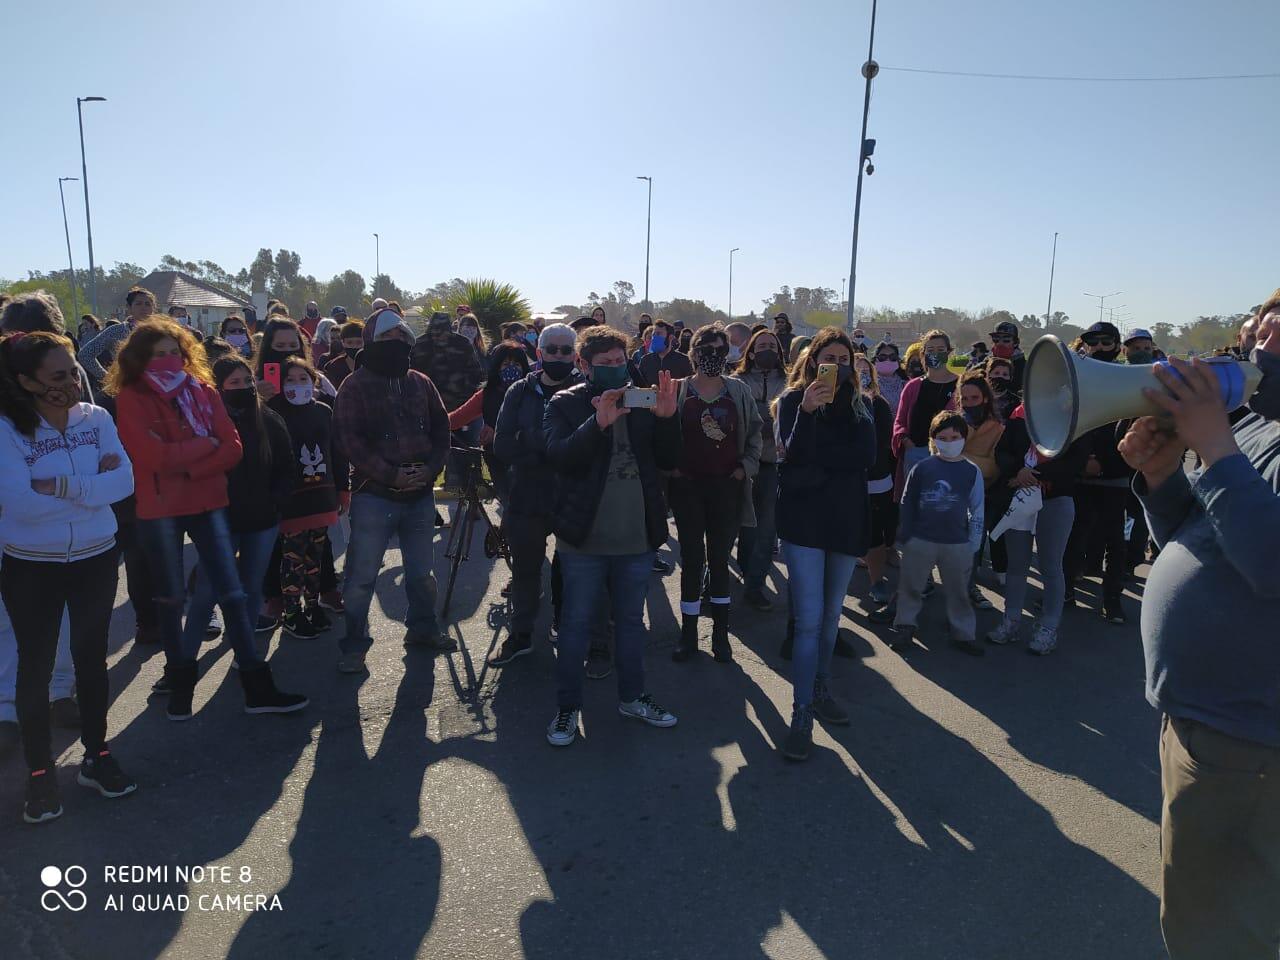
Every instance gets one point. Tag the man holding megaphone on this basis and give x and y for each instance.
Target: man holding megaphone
(1211, 637)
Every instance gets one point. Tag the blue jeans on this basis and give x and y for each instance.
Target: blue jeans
(162, 541)
(374, 521)
(755, 544)
(589, 580)
(819, 581)
(253, 552)
(1053, 530)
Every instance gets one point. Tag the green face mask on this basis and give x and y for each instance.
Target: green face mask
(609, 378)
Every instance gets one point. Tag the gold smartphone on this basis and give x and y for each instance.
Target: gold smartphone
(827, 374)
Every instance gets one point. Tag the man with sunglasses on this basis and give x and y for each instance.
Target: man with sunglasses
(1005, 344)
(519, 442)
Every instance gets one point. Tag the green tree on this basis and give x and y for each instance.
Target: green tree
(383, 287)
(493, 303)
(346, 289)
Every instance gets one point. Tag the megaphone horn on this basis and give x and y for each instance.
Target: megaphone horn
(1065, 396)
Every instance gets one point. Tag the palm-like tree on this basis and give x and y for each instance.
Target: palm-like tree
(493, 303)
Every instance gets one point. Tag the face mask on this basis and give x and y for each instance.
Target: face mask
(914, 369)
(710, 364)
(865, 380)
(238, 340)
(1140, 356)
(509, 374)
(387, 358)
(299, 394)
(468, 332)
(240, 400)
(975, 415)
(999, 384)
(557, 370)
(1266, 402)
(62, 397)
(1004, 350)
(531, 338)
(934, 360)
(609, 378)
(1106, 356)
(312, 313)
(844, 373)
(351, 351)
(165, 375)
(766, 359)
(735, 354)
(657, 343)
(950, 449)
(886, 367)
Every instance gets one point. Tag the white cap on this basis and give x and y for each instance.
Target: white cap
(389, 320)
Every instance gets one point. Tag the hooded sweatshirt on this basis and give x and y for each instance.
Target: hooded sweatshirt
(75, 522)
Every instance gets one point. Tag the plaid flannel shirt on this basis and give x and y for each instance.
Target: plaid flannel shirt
(380, 423)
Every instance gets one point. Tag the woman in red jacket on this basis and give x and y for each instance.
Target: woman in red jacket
(182, 443)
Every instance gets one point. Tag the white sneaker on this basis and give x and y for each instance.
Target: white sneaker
(563, 730)
(1007, 632)
(1043, 641)
(649, 710)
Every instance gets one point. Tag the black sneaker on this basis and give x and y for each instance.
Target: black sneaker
(163, 686)
(318, 618)
(1113, 612)
(599, 662)
(516, 645)
(827, 708)
(214, 629)
(885, 614)
(971, 647)
(266, 624)
(757, 599)
(901, 638)
(297, 625)
(43, 802)
(103, 774)
(800, 736)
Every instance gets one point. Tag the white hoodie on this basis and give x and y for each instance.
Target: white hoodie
(76, 522)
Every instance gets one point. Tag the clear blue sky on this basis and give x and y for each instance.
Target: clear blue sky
(502, 138)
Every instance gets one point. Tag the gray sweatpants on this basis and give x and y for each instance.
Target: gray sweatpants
(953, 561)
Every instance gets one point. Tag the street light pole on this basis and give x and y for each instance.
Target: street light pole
(869, 71)
(648, 232)
(88, 224)
(1102, 299)
(377, 257)
(731, 253)
(1048, 310)
(71, 267)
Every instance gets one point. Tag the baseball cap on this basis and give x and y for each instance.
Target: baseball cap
(1007, 326)
(1102, 329)
(1138, 333)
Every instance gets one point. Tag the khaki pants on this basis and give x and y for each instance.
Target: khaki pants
(953, 561)
(1219, 844)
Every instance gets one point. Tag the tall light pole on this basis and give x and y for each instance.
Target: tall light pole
(843, 281)
(377, 257)
(88, 224)
(731, 253)
(648, 232)
(1048, 310)
(1102, 299)
(869, 71)
(71, 267)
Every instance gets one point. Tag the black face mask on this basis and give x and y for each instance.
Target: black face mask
(766, 359)
(1266, 402)
(557, 370)
(351, 351)
(240, 401)
(387, 358)
(1107, 356)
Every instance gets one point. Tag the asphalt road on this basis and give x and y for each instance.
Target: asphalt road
(976, 808)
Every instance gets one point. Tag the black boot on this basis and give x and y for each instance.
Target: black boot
(687, 645)
(182, 684)
(261, 695)
(789, 642)
(720, 648)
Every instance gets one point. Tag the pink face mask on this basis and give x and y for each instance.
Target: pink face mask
(165, 375)
(886, 367)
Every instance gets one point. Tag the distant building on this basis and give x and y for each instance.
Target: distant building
(207, 305)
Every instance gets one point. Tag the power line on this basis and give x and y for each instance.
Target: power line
(1068, 79)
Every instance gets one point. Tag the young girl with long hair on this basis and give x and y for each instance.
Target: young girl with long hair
(828, 443)
(182, 444)
(61, 468)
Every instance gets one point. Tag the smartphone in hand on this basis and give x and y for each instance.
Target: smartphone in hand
(271, 374)
(827, 374)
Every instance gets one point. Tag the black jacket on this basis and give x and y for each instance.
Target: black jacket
(579, 452)
(651, 364)
(520, 443)
(1103, 444)
(258, 490)
(822, 476)
(885, 463)
(319, 471)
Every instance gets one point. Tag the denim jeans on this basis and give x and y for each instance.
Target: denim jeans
(1053, 528)
(588, 579)
(819, 581)
(252, 550)
(374, 521)
(162, 540)
(64, 677)
(755, 544)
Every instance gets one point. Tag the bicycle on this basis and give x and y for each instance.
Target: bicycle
(470, 511)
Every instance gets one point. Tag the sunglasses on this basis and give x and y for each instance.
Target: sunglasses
(881, 357)
(564, 351)
(711, 352)
(1099, 342)
(1001, 338)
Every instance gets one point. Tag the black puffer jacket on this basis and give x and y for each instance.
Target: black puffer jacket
(520, 442)
(579, 452)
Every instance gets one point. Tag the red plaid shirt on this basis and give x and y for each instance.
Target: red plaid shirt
(381, 423)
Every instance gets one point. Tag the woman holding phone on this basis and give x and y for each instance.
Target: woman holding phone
(827, 443)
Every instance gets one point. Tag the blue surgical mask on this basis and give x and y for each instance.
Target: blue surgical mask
(658, 343)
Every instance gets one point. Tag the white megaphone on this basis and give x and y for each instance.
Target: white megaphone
(1065, 396)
